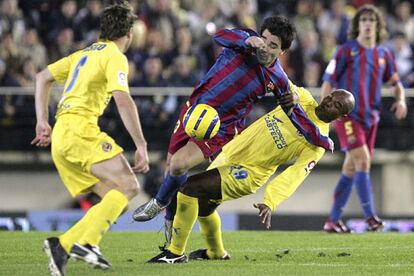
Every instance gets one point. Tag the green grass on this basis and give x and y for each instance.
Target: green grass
(253, 253)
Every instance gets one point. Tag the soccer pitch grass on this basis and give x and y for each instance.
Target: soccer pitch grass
(253, 253)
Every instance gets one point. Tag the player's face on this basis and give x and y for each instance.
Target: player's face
(332, 107)
(367, 25)
(268, 54)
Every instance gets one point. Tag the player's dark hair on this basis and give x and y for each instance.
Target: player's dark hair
(116, 21)
(280, 26)
(381, 33)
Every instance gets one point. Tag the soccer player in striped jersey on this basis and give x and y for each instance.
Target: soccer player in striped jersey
(361, 66)
(87, 159)
(245, 164)
(244, 72)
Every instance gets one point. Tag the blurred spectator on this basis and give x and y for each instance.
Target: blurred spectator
(183, 72)
(65, 18)
(335, 20)
(11, 20)
(243, 16)
(63, 46)
(404, 57)
(302, 19)
(160, 16)
(403, 20)
(26, 73)
(31, 47)
(87, 21)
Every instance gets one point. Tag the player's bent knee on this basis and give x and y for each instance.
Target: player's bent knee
(179, 166)
(129, 186)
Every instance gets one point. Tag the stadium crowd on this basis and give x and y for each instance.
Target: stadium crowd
(172, 47)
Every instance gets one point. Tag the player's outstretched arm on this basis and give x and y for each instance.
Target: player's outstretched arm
(44, 80)
(265, 214)
(129, 115)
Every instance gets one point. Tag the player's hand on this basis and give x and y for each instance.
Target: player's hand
(288, 100)
(141, 159)
(400, 109)
(255, 42)
(43, 134)
(265, 214)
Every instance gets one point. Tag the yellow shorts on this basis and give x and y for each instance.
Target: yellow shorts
(237, 180)
(77, 144)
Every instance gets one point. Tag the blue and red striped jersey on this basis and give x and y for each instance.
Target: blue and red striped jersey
(362, 71)
(237, 80)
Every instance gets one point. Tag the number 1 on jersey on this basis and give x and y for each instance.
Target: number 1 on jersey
(81, 63)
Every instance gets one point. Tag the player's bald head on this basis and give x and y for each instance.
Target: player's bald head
(347, 100)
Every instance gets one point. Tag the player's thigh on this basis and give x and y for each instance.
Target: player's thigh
(238, 181)
(186, 158)
(205, 185)
(361, 158)
(117, 173)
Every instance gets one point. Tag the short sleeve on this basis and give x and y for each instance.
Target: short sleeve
(60, 69)
(116, 72)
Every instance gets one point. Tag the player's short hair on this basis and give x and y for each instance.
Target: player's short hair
(116, 21)
(381, 33)
(280, 26)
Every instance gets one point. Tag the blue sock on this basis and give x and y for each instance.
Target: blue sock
(341, 195)
(363, 187)
(169, 188)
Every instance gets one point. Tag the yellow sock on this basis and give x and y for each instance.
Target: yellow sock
(210, 227)
(107, 211)
(73, 235)
(185, 217)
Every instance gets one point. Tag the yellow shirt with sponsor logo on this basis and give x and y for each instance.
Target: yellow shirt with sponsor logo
(273, 140)
(90, 76)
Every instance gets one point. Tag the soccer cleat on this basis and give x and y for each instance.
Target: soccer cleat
(57, 256)
(169, 258)
(336, 227)
(201, 254)
(147, 211)
(89, 254)
(375, 224)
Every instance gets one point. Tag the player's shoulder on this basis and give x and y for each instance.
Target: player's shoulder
(304, 95)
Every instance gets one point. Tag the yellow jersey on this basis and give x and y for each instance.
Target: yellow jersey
(273, 140)
(90, 76)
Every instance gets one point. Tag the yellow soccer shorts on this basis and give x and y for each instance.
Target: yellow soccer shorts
(237, 180)
(77, 144)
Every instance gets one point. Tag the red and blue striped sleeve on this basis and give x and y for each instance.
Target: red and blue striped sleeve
(336, 67)
(234, 39)
(390, 73)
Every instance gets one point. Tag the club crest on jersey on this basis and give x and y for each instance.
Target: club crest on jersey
(381, 62)
(310, 166)
(122, 78)
(270, 87)
(106, 146)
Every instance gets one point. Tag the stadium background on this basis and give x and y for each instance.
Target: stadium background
(171, 50)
